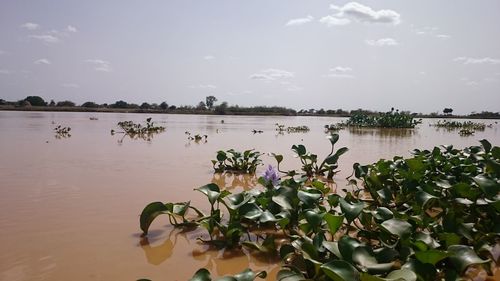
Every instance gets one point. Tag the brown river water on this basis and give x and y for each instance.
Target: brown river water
(69, 208)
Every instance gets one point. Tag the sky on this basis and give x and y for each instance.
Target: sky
(420, 56)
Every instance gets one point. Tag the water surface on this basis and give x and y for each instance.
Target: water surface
(69, 207)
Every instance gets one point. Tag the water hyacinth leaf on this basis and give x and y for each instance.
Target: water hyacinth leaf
(401, 275)
(289, 275)
(286, 250)
(383, 214)
(299, 149)
(364, 257)
(283, 201)
(149, 213)
(490, 187)
(351, 210)
(268, 246)
(346, 247)
(234, 201)
(431, 256)
(314, 218)
(308, 198)
(333, 159)
(339, 270)
(424, 271)
(333, 222)
(427, 239)
(211, 190)
(486, 145)
(397, 227)
(462, 256)
(423, 198)
(250, 211)
(278, 157)
(201, 275)
(333, 247)
(334, 138)
(267, 216)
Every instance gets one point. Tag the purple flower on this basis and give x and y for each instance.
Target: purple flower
(271, 175)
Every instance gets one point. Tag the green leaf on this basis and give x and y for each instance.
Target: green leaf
(149, 213)
(339, 270)
(234, 201)
(351, 210)
(462, 256)
(364, 257)
(431, 256)
(490, 187)
(299, 149)
(250, 211)
(211, 190)
(333, 222)
(401, 275)
(308, 198)
(278, 157)
(486, 145)
(289, 275)
(267, 216)
(346, 247)
(334, 138)
(423, 198)
(283, 201)
(397, 227)
(201, 275)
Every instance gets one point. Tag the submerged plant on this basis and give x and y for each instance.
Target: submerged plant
(235, 161)
(62, 132)
(137, 130)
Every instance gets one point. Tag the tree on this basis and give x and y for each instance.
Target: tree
(3, 102)
(90, 104)
(52, 103)
(65, 103)
(201, 106)
(209, 101)
(120, 104)
(145, 105)
(36, 101)
(448, 111)
(221, 109)
(164, 105)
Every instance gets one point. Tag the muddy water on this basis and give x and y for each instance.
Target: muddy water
(69, 207)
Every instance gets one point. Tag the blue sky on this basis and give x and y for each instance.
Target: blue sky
(420, 56)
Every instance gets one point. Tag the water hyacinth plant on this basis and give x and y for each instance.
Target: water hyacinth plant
(238, 162)
(432, 216)
(137, 130)
(309, 161)
(62, 132)
(391, 119)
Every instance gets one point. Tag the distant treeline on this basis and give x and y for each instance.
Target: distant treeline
(209, 106)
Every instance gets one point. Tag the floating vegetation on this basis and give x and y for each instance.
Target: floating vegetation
(391, 119)
(62, 132)
(93, 118)
(383, 132)
(466, 132)
(309, 161)
(138, 131)
(428, 217)
(197, 138)
(452, 125)
(238, 162)
(257, 131)
(281, 129)
(335, 127)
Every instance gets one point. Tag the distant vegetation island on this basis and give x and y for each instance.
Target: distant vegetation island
(209, 106)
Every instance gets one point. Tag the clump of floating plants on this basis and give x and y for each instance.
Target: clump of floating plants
(137, 130)
(466, 128)
(238, 162)
(62, 132)
(391, 119)
(334, 127)
(196, 137)
(292, 129)
(257, 131)
(310, 166)
(433, 216)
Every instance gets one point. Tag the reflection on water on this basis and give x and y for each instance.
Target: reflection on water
(384, 132)
(67, 208)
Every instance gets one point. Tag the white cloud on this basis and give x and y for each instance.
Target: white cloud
(46, 38)
(271, 74)
(71, 28)
(4, 71)
(42, 61)
(360, 13)
(382, 42)
(341, 72)
(100, 65)
(208, 86)
(299, 21)
(294, 88)
(443, 36)
(485, 60)
(334, 21)
(30, 26)
(208, 57)
(70, 85)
